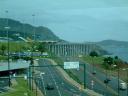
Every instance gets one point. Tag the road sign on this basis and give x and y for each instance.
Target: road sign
(71, 65)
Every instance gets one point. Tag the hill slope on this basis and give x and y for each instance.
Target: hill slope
(25, 30)
(119, 48)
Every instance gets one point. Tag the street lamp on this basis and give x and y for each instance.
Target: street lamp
(33, 43)
(7, 28)
(126, 69)
(34, 33)
(118, 69)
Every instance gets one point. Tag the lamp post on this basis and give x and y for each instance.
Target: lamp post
(7, 28)
(118, 81)
(126, 69)
(34, 33)
(118, 75)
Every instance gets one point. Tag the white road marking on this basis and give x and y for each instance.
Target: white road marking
(55, 82)
(44, 86)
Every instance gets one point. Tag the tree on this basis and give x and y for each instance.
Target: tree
(116, 57)
(93, 54)
(108, 62)
(3, 48)
(116, 61)
(41, 47)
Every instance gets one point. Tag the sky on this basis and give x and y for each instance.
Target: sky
(73, 20)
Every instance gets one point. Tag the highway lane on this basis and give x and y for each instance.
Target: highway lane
(97, 86)
(113, 84)
(61, 87)
(102, 76)
(3, 84)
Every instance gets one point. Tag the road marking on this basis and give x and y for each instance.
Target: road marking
(55, 82)
(100, 82)
(109, 88)
(43, 86)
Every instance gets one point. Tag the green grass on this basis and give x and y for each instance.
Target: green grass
(19, 90)
(3, 57)
(58, 60)
(73, 76)
(95, 60)
(15, 46)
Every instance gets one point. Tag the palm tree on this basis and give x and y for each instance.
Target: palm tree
(108, 62)
(93, 54)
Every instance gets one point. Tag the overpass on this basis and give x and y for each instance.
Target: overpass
(14, 65)
(70, 49)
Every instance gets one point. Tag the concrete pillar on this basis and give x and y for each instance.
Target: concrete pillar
(63, 49)
(58, 49)
(72, 50)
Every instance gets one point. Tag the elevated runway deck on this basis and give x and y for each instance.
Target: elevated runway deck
(20, 64)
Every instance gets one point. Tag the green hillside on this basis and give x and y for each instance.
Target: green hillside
(25, 30)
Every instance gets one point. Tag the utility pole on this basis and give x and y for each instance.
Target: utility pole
(84, 76)
(118, 81)
(34, 33)
(7, 29)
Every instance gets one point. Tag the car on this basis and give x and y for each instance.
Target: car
(42, 73)
(94, 72)
(123, 86)
(50, 86)
(107, 80)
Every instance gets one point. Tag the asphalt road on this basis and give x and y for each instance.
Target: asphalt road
(52, 76)
(98, 79)
(3, 85)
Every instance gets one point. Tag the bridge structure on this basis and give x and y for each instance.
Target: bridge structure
(70, 49)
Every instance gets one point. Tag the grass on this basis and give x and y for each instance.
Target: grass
(15, 46)
(20, 89)
(73, 76)
(3, 57)
(95, 60)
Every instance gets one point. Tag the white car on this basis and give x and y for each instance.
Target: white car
(42, 73)
(123, 86)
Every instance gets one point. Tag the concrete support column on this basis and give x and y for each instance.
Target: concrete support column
(85, 49)
(72, 50)
(75, 50)
(63, 49)
(58, 49)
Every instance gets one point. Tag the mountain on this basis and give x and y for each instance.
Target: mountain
(18, 29)
(113, 43)
(116, 48)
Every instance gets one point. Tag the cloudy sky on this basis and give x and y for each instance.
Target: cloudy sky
(73, 20)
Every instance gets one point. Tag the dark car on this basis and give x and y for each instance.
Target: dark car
(50, 86)
(107, 80)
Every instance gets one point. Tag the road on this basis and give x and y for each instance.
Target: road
(3, 84)
(98, 79)
(51, 75)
